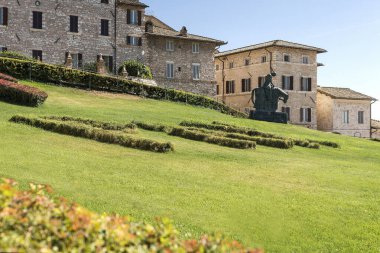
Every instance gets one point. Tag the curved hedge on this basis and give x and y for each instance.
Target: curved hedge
(101, 135)
(33, 221)
(21, 94)
(75, 78)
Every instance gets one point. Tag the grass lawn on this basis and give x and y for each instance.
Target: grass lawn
(297, 200)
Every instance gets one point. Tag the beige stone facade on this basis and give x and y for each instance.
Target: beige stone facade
(344, 111)
(375, 129)
(296, 68)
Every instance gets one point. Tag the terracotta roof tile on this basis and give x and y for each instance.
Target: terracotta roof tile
(344, 93)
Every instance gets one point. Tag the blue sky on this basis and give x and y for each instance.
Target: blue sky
(348, 29)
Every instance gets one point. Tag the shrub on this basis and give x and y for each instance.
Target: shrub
(376, 139)
(16, 55)
(152, 127)
(212, 139)
(306, 144)
(269, 142)
(33, 221)
(79, 79)
(101, 135)
(21, 94)
(8, 78)
(137, 69)
(90, 67)
(326, 143)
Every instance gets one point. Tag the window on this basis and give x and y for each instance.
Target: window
(261, 81)
(77, 60)
(287, 82)
(37, 20)
(263, 59)
(346, 115)
(37, 54)
(195, 48)
(246, 85)
(286, 58)
(104, 27)
(134, 41)
(305, 84)
(134, 17)
(217, 67)
(3, 49)
(231, 65)
(170, 70)
(305, 59)
(196, 67)
(74, 24)
(230, 87)
(169, 45)
(4, 16)
(305, 115)
(104, 2)
(287, 111)
(247, 62)
(361, 117)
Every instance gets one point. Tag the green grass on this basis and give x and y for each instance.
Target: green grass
(297, 200)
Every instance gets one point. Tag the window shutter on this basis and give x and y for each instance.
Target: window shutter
(139, 17)
(249, 84)
(111, 63)
(5, 16)
(80, 60)
(291, 83)
(66, 55)
(301, 115)
(128, 40)
(309, 84)
(140, 41)
(301, 84)
(308, 114)
(128, 16)
(259, 81)
(233, 86)
(283, 82)
(242, 85)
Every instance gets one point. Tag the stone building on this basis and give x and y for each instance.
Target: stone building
(240, 70)
(344, 111)
(375, 126)
(48, 30)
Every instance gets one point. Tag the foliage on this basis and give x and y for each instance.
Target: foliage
(32, 221)
(137, 69)
(376, 139)
(212, 139)
(101, 135)
(16, 55)
(90, 67)
(8, 78)
(269, 142)
(20, 94)
(152, 127)
(79, 79)
(326, 143)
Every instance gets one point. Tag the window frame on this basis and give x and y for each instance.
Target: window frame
(360, 117)
(134, 41)
(246, 84)
(263, 59)
(196, 75)
(73, 24)
(104, 1)
(346, 117)
(4, 18)
(307, 85)
(285, 85)
(231, 65)
(37, 20)
(230, 87)
(104, 27)
(195, 48)
(37, 54)
(307, 59)
(247, 61)
(169, 45)
(169, 72)
(305, 114)
(284, 57)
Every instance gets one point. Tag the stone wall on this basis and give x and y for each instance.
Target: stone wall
(325, 106)
(297, 99)
(157, 56)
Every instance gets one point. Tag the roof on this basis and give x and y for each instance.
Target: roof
(375, 124)
(344, 93)
(133, 3)
(280, 43)
(163, 30)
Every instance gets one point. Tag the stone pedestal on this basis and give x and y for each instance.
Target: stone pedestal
(276, 117)
(69, 61)
(100, 66)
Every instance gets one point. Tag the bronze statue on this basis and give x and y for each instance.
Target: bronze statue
(265, 101)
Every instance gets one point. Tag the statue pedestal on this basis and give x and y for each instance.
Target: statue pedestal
(276, 117)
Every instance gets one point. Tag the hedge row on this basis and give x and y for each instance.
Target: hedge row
(79, 79)
(152, 127)
(326, 143)
(100, 135)
(33, 221)
(21, 94)
(130, 128)
(376, 139)
(212, 139)
(8, 78)
(306, 144)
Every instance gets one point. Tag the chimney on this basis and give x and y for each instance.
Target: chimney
(183, 31)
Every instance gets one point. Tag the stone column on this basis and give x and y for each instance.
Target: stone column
(125, 72)
(69, 61)
(100, 66)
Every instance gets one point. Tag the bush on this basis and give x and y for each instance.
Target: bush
(306, 144)
(21, 94)
(152, 127)
(16, 55)
(101, 135)
(90, 67)
(326, 143)
(212, 139)
(79, 79)
(269, 142)
(8, 78)
(33, 221)
(137, 69)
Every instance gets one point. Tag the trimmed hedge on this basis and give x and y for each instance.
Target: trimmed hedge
(8, 78)
(326, 143)
(101, 135)
(21, 94)
(130, 128)
(79, 79)
(152, 127)
(306, 144)
(212, 139)
(269, 142)
(33, 221)
(16, 55)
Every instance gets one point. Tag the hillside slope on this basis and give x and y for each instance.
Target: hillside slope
(296, 200)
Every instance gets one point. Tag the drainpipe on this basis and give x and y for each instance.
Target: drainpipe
(115, 39)
(223, 78)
